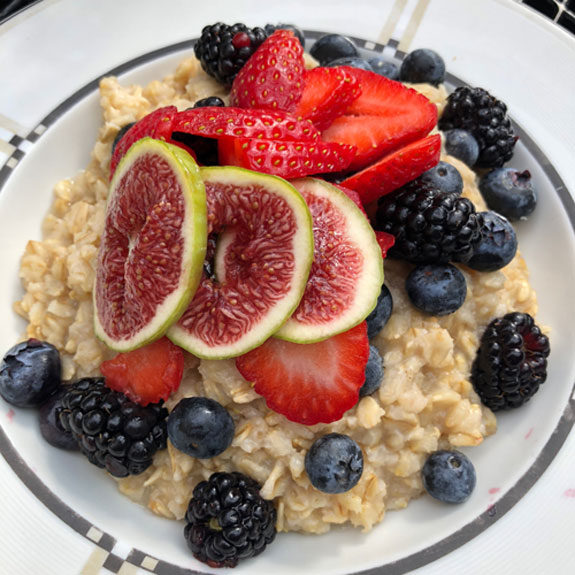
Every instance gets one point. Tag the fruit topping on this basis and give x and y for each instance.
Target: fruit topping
(200, 427)
(423, 66)
(113, 432)
(272, 79)
(148, 374)
(50, 425)
(436, 289)
(121, 133)
(449, 476)
(395, 170)
(509, 192)
(298, 33)
(153, 246)
(334, 463)
(430, 226)
(476, 110)
(227, 520)
(498, 244)
(331, 47)
(309, 383)
(223, 50)
(384, 68)
(261, 267)
(347, 269)
(373, 373)
(462, 145)
(210, 102)
(353, 62)
(445, 177)
(30, 372)
(380, 315)
(511, 362)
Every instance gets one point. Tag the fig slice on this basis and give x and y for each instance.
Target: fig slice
(347, 272)
(264, 249)
(153, 246)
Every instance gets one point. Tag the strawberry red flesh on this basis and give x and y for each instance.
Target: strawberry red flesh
(309, 383)
(147, 374)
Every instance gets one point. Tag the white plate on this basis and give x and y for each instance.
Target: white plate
(60, 516)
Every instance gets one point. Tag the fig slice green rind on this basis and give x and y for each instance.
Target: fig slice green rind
(347, 273)
(263, 255)
(153, 246)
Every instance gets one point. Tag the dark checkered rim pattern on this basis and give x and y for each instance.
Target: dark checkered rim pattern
(115, 560)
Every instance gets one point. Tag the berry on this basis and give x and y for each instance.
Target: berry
(395, 170)
(436, 289)
(448, 476)
(223, 50)
(509, 192)
(204, 150)
(211, 102)
(423, 66)
(30, 372)
(353, 62)
(113, 432)
(309, 383)
(331, 47)
(121, 133)
(298, 33)
(476, 110)
(227, 520)
(445, 177)
(384, 68)
(511, 362)
(272, 79)
(498, 244)
(200, 427)
(334, 463)
(429, 225)
(50, 426)
(147, 374)
(380, 315)
(462, 145)
(373, 373)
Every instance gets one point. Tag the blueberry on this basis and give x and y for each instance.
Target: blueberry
(498, 244)
(331, 47)
(353, 61)
(334, 463)
(50, 426)
(462, 145)
(121, 133)
(384, 68)
(377, 319)
(30, 372)
(373, 373)
(509, 192)
(208, 102)
(200, 427)
(448, 476)
(271, 28)
(436, 289)
(423, 66)
(445, 177)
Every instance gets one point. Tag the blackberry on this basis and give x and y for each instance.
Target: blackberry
(476, 110)
(223, 50)
(511, 362)
(227, 520)
(113, 432)
(429, 225)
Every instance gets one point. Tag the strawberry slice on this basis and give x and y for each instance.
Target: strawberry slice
(147, 374)
(326, 95)
(285, 159)
(216, 122)
(157, 124)
(309, 383)
(272, 79)
(396, 169)
(385, 241)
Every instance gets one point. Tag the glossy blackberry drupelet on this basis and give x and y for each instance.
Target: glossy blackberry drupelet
(352, 62)
(384, 68)
(423, 66)
(50, 426)
(223, 50)
(509, 192)
(511, 362)
(498, 244)
(449, 476)
(113, 432)
(331, 47)
(200, 427)
(445, 177)
(462, 145)
(476, 110)
(430, 226)
(334, 463)
(271, 28)
(30, 373)
(380, 315)
(227, 520)
(373, 373)
(121, 133)
(436, 289)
